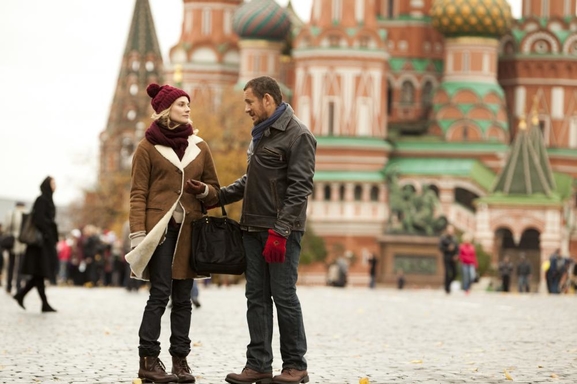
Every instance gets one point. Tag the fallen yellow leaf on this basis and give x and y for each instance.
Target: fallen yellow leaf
(136, 381)
(197, 344)
(554, 375)
(417, 361)
(508, 376)
(364, 380)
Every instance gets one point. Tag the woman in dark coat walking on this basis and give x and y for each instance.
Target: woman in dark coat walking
(40, 262)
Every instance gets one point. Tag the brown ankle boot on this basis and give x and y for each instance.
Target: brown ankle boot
(249, 376)
(151, 368)
(181, 369)
(291, 376)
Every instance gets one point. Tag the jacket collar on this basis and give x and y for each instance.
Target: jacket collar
(190, 154)
(284, 119)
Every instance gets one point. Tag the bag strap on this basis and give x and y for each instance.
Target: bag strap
(205, 212)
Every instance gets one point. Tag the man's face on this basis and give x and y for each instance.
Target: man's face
(254, 107)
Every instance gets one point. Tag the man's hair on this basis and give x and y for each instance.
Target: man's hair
(265, 84)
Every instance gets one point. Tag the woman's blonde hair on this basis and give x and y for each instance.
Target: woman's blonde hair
(467, 237)
(163, 117)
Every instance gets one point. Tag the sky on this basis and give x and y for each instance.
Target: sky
(59, 63)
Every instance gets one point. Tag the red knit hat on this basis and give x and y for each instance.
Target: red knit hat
(163, 96)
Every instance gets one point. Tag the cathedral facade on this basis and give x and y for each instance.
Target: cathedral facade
(452, 96)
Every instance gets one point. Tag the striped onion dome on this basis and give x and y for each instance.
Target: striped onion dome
(261, 19)
(487, 18)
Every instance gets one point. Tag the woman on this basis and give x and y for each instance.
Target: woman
(468, 258)
(41, 262)
(170, 160)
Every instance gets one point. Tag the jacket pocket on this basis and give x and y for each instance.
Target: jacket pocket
(270, 158)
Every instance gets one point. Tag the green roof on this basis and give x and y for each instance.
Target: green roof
(527, 170)
(419, 65)
(436, 144)
(481, 89)
(344, 141)
(535, 199)
(426, 166)
(360, 176)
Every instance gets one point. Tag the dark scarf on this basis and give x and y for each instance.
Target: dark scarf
(176, 138)
(258, 130)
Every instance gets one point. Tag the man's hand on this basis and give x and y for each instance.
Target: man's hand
(194, 187)
(275, 248)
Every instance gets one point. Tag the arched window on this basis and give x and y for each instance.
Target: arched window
(389, 98)
(358, 193)
(327, 193)
(374, 193)
(342, 193)
(407, 92)
(427, 95)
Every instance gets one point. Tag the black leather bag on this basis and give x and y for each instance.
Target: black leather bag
(29, 234)
(7, 242)
(217, 245)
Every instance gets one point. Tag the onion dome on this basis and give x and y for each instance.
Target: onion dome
(261, 19)
(486, 18)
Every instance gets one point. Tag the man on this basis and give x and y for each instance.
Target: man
(555, 272)
(505, 270)
(523, 274)
(372, 270)
(449, 247)
(274, 189)
(12, 225)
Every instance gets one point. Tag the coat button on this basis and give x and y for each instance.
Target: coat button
(178, 192)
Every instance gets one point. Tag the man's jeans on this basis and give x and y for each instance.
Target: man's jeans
(524, 283)
(276, 280)
(161, 284)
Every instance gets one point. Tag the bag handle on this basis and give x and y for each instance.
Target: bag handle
(205, 212)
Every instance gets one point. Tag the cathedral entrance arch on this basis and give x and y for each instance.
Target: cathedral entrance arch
(529, 246)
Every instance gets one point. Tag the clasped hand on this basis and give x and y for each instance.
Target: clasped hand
(194, 187)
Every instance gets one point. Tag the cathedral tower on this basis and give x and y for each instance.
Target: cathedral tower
(207, 55)
(130, 110)
(263, 27)
(469, 105)
(340, 94)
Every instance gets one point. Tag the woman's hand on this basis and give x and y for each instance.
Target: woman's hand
(194, 187)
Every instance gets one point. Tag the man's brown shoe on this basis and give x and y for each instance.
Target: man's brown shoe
(249, 376)
(291, 376)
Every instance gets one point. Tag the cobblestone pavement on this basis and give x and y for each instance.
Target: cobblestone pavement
(385, 335)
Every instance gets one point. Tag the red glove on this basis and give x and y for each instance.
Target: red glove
(275, 248)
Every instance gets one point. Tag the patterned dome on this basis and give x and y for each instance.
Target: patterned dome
(261, 19)
(489, 18)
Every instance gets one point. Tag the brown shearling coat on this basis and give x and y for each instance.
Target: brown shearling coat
(158, 178)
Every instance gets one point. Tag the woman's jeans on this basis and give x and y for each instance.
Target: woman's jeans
(468, 272)
(277, 281)
(161, 286)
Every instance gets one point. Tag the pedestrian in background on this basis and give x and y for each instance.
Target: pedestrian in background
(524, 274)
(64, 249)
(555, 271)
(274, 190)
(505, 271)
(372, 270)
(169, 161)
(468, 259)
(41, 261)
(449, 247)
(12, 225)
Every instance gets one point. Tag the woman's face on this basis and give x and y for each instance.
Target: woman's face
(52, 185)
(180, 111)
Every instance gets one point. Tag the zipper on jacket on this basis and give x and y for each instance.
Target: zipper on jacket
(276, 199)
